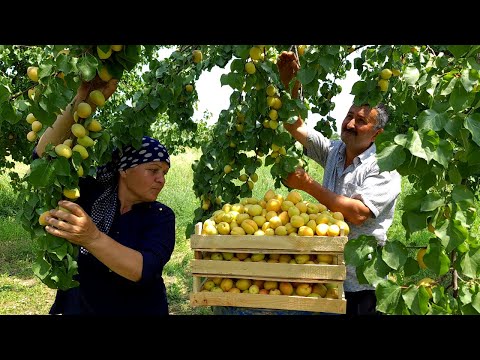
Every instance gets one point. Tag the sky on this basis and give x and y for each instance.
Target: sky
(214, 98)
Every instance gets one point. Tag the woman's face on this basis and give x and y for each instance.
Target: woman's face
(144, 182)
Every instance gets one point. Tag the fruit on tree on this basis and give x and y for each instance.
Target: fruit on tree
(250, 68)
(197, 56)
(81, 150)
(420, 254)
(301, 49)
(386, 74)
(84, 110)
(78, 130)
(116, 47)
(63, 150)
(85, 141)
(97, 97)
(189, 87)
(32, 136)
(94, 126)
(72, 194)
(396, 72)
(255, 53)
(104, 55)
(271, 90)
(104, 74)
(383, 85)
(36, 126)
(41, 218)
(32, 73)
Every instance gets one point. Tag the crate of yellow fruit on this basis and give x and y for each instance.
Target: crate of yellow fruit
(271, 246)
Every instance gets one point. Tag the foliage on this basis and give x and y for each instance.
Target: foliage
(432, 138)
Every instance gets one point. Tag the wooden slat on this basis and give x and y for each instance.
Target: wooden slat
(265, 244)
(284, 302)
(287, 272)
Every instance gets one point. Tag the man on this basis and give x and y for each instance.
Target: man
(352, 182)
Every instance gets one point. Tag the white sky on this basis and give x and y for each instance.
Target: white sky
(214, 97)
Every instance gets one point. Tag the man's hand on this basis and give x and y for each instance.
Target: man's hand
(299, 179)
(75, 226)
(288, 67)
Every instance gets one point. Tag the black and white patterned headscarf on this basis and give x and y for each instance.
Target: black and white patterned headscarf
(104, 208)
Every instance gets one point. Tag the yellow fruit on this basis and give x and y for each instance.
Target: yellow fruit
(286, 288)
(32, 73)
(41, 219)
(80, 171)
(63, 150)
(31, 118)
(71, 193)
(273, 114)
(243, 284)
(333, 230)
(94, 126)
(383, 85)
(81, 150)
(116, 47)
(271, 90)
(254, 177)
(104, 74)
(227, 169)
(189, 87)
(32, 136)
(85, 141)
(427, 283)
(319, 289)
(197, 56)
(68, 142)
(226, 284)
(303, 289)
(78, 130)
(325, 258)
(277, 103)
(250, 68)
(256, 53)
(396, 72)
(243, 177)
(386, 74)
(305, 231)
(420, 255)
(301, 49)
(84, 110)
(104, 55)
(31, 93)
(36, 126)
(97, 97)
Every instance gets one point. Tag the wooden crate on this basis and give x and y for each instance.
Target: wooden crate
(308, 273)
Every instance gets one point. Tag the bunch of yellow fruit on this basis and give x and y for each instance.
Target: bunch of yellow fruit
(275, 215)
(270, 287)
(385, 75)
(321, 259)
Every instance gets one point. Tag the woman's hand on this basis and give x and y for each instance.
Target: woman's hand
(75, 226)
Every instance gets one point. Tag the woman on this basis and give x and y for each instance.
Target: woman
(125, 236)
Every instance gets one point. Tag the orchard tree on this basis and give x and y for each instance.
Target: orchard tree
(433, 138)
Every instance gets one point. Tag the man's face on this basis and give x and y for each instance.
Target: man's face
(358, 128)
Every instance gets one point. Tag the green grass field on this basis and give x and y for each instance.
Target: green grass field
(22, 293)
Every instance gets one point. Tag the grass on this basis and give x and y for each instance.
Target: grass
(22, 293)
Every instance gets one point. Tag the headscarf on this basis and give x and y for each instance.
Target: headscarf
(104, 208)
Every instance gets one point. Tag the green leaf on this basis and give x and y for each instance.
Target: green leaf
(87, 65)
(414, 144)
(416, 299)
(449, 88)
(391, 157)
(359, 88)
(42, 173)
(62, 166)
(41, 267)
(431, 120)
(472, 124)
(458, 50)
(459, 99)
(411, 75)
(4, 94)
(436, 259)
(306, 75)
(431, 202)
(468, 79)
(394, 253)
(470, 263)
(357, 249)
(388, 295)
(411, 267)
